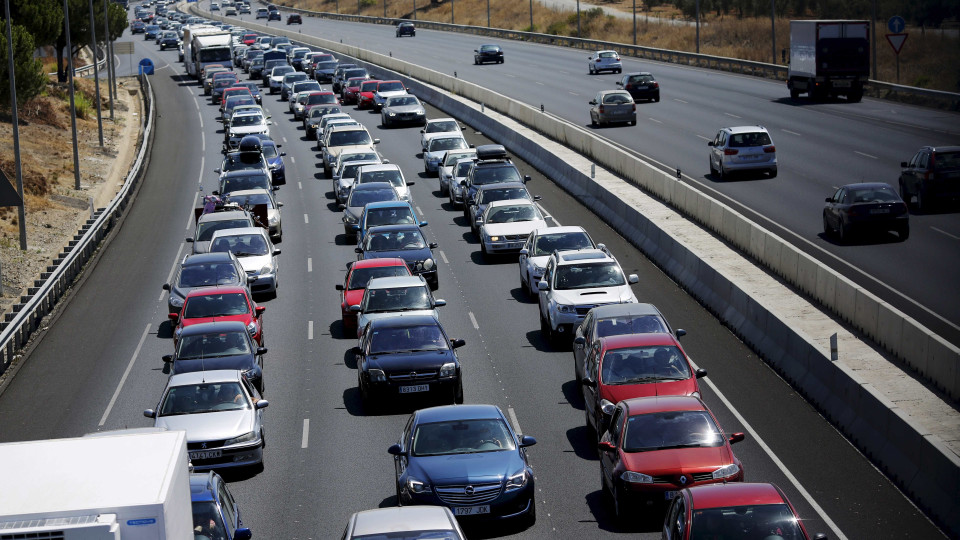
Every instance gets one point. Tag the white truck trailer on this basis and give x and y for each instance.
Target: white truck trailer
(189, 33)
(213, 48)
(829, 58)
(115, 486)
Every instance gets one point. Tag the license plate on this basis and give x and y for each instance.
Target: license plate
(415, 388)
(642, 87)
(515, 245)
(880, 211)
(669, 495)
(206, 454)
(471, 510)
(841, 84)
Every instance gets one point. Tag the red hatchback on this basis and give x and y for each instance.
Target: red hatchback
(359, 273)
(634, 365)
(213, 304)
(351, 90)
(250, 39)
(657, 446)
(365, 95)
(734, 511)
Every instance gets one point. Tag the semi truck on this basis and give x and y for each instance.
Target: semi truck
(206, 47)
(829, 58)
(114, 486)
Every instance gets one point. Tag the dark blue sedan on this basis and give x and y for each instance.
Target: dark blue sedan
(467, 458)
(405, 242)
(218, 345)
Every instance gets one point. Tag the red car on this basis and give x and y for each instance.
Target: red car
(250, 39)
(321, 99)
(210, 304)
(365, 95)
(657, 446)
(634, 365)
(733, 511)
(233, 91)
(359, 273)
(351, 89)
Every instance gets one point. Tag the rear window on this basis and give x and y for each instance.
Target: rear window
(496, 175)
(640, 79)
(741, 140)
(390, 87)
(946, 160)
(874, 194)
(608, 54)
(617, 99)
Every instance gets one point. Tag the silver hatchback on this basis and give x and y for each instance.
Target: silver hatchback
(613, 106)
(743, 148)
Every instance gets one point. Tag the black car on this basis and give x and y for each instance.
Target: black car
(203, 270)
(491, 166)
(218, 345)
(406, 29)
(861, 207)
(488, 53)
(933, 174)
(169, 39)
(402, 241)
(137, 27)
(641, 85)
(293, 18)
(274, 15)
(408, 356)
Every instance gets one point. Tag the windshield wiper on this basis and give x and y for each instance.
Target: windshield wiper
(673, 446)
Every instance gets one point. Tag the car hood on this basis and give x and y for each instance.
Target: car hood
(434, 155)
(334, 151)
(212, 426)
(239, 361)
(201, 246)
(518, 227)
(677, 460)
(413, 361)
(540, 262)
(408, 255)
(246, 130)
(275, 162)
(403, 109)
(602, 295)
(254, 263)
(391, 93)
(619, 392)
(478, 468)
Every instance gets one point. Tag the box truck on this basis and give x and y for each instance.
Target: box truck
(115, 486)
(829, 58)
(208, 45)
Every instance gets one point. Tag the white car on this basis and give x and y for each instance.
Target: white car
(505, 225)
(244, 123)
(277, 75)
(573, 283)
(254, 197)
(742, 148)
(326, 124)
(445, 174)
(343, 138)
(437, 147)
(604, 61)
(256, 253)
(344, 177)
(437, 128)
(385, 173)
(458, 177)
(398, 296)
(386, 90)
(541, 244)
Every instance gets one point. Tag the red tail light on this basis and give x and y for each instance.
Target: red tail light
(730, 152)
(769, 149)
(656, 85)
(601, 109)
(634, 107)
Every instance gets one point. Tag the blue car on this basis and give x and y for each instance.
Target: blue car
(151, 31)
(213, 507)
(271, 151)
(467, 458)
(386, 213)
(405, 242)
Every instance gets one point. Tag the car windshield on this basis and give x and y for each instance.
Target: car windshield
(238, 183)
(873, 195)
(327, 65)
(213, 345)
(548, 243)
(205, 275)
(291, 78)
(206, 229)
(402, 215)
(369, 86)
(394, 241)
(505, 194)
(946, 160)
(586, 276)
(401, 101)
(351, 73)
(630, 324)
(241, 245)
(461, 437)
(513, 213)
(426, 337)
(252, 199)
(361, 198)
(741, 140)
(301, 53)
(393, 86)
(364, 156)
(452, 157)
(617, 99)
(204, 398)
(639, 79)
(496, 175)
(224, 82)
(302, 86)
(361, 276)
(447, 143)
(280, 71)
(442, 126)
(236, 101)
(215, 55)
(317, 112)
(347, 138)
(269, 151)
(637, 365)
(206, 515)
(489, 48)
(317, 99)
(215, 305)
(349, 170)
(392, 176)
(397, 299)
(673, 429)
(355, 81)
(768, 520)
(246, 120)
(462, 168)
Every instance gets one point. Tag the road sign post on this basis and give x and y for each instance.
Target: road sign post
(896, 41)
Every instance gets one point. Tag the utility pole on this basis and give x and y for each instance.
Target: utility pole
(96, 71)
(578, 20)
(21, 217)
(110, 73)
(634, 23)
(488, 13)
(773, 32)
(698, 26)
(73, 105)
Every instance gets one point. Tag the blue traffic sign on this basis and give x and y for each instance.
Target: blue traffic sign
(896, 24)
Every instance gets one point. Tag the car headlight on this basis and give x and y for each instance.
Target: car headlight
(251, 436)
(538, 269)
(428, 264)
(349, 218)
(448, 370)
(267, 269)
(252, 328)
(176, 301)
(563, 308)
(494, 238)
(391, 113)
(636, 478)
(416, 486)
(727, 471)
(272, 220)
(516, 481)
(376, 375)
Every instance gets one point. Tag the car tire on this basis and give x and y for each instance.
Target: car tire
(794, 93)
(843, 232)
(396, 486)
(544, 329)
(657, 99)
(827, 231)
(713, 170)
(483, 249)
(633, 122)
(593, 121)
(620, 510)
(524, 288)
(620, 71)
(592, 436)
(458, 394)
(921, 205)
(720, 174)
(773, 172)
(904, 232)
(530, 518)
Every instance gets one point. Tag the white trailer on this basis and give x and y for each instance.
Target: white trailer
(190, 32)
(208, 49)
(116, 486)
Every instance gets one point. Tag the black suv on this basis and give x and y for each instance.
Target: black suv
(406, 29)
(490, 166)
(294, 18)
(932, 173)
(641, 85)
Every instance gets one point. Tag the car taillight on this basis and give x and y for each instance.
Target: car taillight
(730, 152)
(769, 149)
(655, 85)
(634, 107)
(601, 109)
(629, 86)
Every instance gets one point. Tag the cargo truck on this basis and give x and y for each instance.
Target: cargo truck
(118, 486)
(206, 48)
(829, 59)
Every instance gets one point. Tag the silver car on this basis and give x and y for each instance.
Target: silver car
(438, 127)
(458, 176)
(404, 522)
(396, 296)
(446, 167)
(613, 106)
(253, 197)
(402, 109)
(604, 61)
(742, 148)
(439, 146)
(222, 414)
(256, 253)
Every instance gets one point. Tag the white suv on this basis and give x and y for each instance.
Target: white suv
(743, 148)
(575, 282)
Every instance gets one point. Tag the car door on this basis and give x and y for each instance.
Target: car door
(716, 151)
(591, 392)
(544, 299)
(674, 524)
(580, 349)
(908, 177)
(609, 460)
(525, 259)
(833, 215)
(400, 462)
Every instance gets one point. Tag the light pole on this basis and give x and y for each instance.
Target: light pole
(73, 105)
(96, 71)
(578, 20)
(773, 31)
(21, 219)
(452, 18)
(488, 13)
(110, 73)
(698, 26)
(531, 15)
(634, 22)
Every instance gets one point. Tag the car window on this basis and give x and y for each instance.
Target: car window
(629, 324)
(401, 101)
(513, 213)
(204, 275)
(924, 160)
(548, 243)
(461, 437)
(441, 127)
(359, 199)
(411, 338)
(844, 197)
(874, 194)
(585, 276)
(742, 140)
(393, 176)
(946, 160)
(229, 509)
(241, 245)
(213, 345)
(394, 241)
(462, 168)
(396, 299)
(495, 175)
(838, 196)
(207, 516)
(673, 429)
(390, 87)
(617, 99)
(490, 195)
(389, 216)
(345, 138)
(215, 305)
(616, 425)
(238, 183)
(636, 365)
(204, 398)
(206, 229)
(608, 54)
(360, 277)
(447, 143)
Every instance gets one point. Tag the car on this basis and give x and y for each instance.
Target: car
(616, 320)
(932, 175)
(207, 76)
(327, 121)
(402, 109)
(221, 412)
(350, 91)
(409, 356)
(214, 6)
(218, 344)
(641, 85)
(467, 458)
(169, 39)
(256, 254)
(220, 82)
(296, 57)
(654, 442)
(137, 27)
(541, 243)
(230, 12)
(311, 58)
(237, 101)
(269, 64)
(393, 297)
(406, 29)
(243, 179)
(404, 241)
(604, 61)
(344, 72)
(742, 148)
(248, 38)
(277, 75)
(214, 509)
(243, 124)
(251, 197)
(200, 271)
(231, 91)
(488, 53)
(610, 106)
(496, 192)
(313, 117)
(504, 225)
(244, 9)
(634, 365)
(404, 522)
(733, 510)
(456, 185)
(385, 172)
(294, 18)
(209, 223)
(437, 127)
(151, 31)
(274, 157)
(254, 89)
(445, 174)
(287, 82)
(323, 70)
(491, 165)
(386, 213)
(255, 67)
(345, 138)
(574, 282)
(359, 274)
(274, 15)
(219, 303)
(437, 147)
(386, 90)
(365, 93)
(344, 178)
(867, 207)
(361, 196)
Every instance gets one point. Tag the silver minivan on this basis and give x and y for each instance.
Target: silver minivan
(613, 106)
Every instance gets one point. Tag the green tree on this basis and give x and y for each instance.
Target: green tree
(42, 18)
(30, 79)
(80, 28)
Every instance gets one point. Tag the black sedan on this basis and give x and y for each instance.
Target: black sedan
(488, 53)
(211, 346)
(861, 207)
(408, 356)
(405, 242)
(406, 29)
(293, 18)
(169, 39)
(641, 85)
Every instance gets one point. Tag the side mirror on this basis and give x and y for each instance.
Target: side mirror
(828, 199)
(479, 221)
(166, 287)
(217, 170)
(632, 278)
(526, 178)
(261, 404)
(173, 316)
(736, 437)
(457, 343)
(619, 83)
(537, 198)
(276, 251)
(543, 286)
(439, 302)
(342, 206)
(591, 102)
(355, 308)
(356, 227)
(524, 251)
(904, 165)
(433, 245)
(711, 143)
(475, 50)
(463, 183)
(336, 177)
(357, 250)
(150, 413)
(608, 408)
(259, 310)
(215, 192)
(188, 239)
(606, 446)
(376, 141)
(472, 145)
(340, 286)
(526, 441)
(680, 332)
(579, 340)
(242, 534)
(423, 131)
(423, 223)
(395, 450)
(261, 351)
(279, 204)
(820, 536)
(701, 373)
(167, 358)
(251, 279)
(410, 182)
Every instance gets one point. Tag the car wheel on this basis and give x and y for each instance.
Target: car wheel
(620, 71)
(620, 508)
(530, 518)
(592, 436)
(921, 205)
(483, 248)
(524, 288)
(713, 170)
(544, 329)
(794, 93)
(720, 173)
(827, 231)
(593, 121)
(633, 122)
(844, 232)
(904, 232)
(458, 394)
(397, 487)
(773, 172)
(657, 98)
(476, 62)
(263, 440)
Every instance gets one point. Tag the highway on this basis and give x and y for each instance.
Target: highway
(98, 365)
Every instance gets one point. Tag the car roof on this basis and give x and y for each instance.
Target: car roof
(395, 281)
(560, 230)
(942, 148)
(243, 172)
(434, 120)
(372, 186)
(735, 494)
(349, 127)
(237, 231)
(646, 339)
(656, 404)
(213, 328)
(388, 204)
(223, 216)
(381, 167)
(206, 258)
(253, 191)
(458, 412)
(403, 322)
(744, 129)
(633, 308)
(402, 519)
(400, 227)
(201, 486)
(503, 185)
(589, 255)
(377, 263)
(868, 185)
(208, 377)
(218, 289)
(510, 202)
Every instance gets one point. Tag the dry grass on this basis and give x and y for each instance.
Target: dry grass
(928, 60)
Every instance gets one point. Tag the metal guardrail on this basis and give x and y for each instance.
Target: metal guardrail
(41, 299)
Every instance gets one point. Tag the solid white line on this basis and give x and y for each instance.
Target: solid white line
(201, 122)
(309, 329)
(123, 379)
(540, 83)
(473, 320)
(705, 138)
(306, 218)
(865, 155)
(680, 100)
(732, 115)
(548, 214)
(309, 264)
(790, 132)
(946, 233)
(306, 433)
(444, 257)
(513, 420)
(511, 76)
(419, 211)
(654, 120)
(284, 140)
